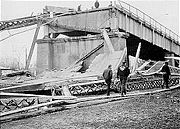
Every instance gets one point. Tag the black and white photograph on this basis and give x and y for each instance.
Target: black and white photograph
(89, 64)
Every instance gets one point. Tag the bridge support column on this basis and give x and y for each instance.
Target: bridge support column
(113, 20)
(171, 61)
(46, 30)
(44, 56)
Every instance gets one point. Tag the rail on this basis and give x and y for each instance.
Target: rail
(149, 20)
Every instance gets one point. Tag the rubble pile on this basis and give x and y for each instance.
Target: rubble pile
(15, 78)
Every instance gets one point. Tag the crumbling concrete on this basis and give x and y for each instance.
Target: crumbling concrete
(61, 53)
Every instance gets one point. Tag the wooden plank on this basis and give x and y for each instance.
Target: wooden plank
(172, 57)
(136, 58)
(143, 66)
(86, 56)
(155, 68)
(37, 84)
(24, 87)
(18, 95)
(66, 91)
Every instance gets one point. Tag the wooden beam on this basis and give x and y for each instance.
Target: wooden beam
(37, 84)
(32, 46)
(136, 58)
(19, 95)
(66, 91)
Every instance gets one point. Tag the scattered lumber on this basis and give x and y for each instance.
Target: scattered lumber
(18, 95)
(136, 58)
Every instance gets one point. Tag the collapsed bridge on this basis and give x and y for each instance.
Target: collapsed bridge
(157, 41)
(95, 38)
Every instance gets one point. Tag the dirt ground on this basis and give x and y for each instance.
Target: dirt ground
(161, 110)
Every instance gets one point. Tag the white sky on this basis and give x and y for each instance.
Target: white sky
(164, 11)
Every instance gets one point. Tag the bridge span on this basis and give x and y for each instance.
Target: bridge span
(132, 21)
(157, 41)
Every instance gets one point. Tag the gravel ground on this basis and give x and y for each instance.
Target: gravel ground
(161, 110)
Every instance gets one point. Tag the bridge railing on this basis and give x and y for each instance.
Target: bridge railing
(149, 20)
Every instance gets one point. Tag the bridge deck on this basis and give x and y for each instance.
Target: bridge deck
(120, 18)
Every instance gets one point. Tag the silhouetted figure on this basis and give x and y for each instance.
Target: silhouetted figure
(0, 73)
(79, 8)
(122, 74)
(166, 72)
(107, 74)
(96, 4)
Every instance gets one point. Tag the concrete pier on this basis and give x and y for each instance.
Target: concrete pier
(61, 53)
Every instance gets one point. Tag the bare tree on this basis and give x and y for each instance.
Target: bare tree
(13, 63)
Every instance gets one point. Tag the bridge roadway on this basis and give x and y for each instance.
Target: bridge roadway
(118, 18)
(131, 20)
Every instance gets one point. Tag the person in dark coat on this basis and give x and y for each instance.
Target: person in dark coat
(79, 8)
(122, 74)
(166, 73)
(107, 75)
(96, 4)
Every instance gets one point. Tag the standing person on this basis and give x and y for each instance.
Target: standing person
(107, 74)
(166, 72)
(122, 74)
(0, 73)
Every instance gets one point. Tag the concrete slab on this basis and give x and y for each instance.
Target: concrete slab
(101, 62)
